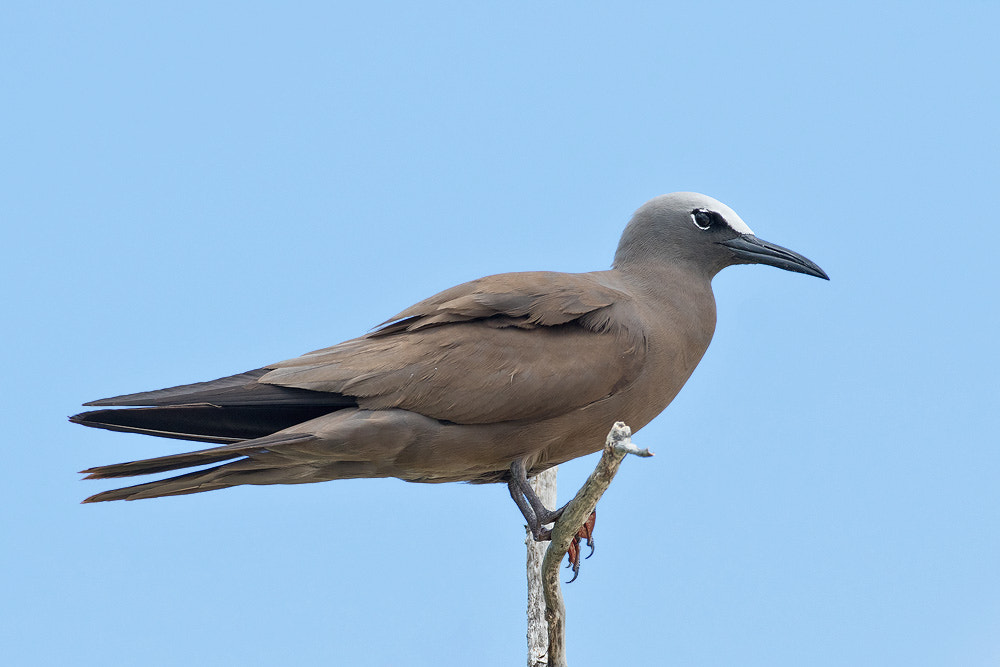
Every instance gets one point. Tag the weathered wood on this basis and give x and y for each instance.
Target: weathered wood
(617, 445)
(544, 485)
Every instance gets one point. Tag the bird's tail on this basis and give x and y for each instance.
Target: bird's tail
(268, 460)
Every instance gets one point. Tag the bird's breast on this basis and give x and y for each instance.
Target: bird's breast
(677, 334)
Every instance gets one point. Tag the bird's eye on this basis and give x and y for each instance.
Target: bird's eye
(702, 218)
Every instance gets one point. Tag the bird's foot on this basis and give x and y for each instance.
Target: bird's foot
(538, 516)
(586, 532)
(536, 523)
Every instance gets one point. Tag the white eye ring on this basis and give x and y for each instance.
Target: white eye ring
(701, 217)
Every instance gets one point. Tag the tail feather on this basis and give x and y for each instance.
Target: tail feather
(192, 459)
(259, 465)
(244, 471)
(159, 464)
(192, 482)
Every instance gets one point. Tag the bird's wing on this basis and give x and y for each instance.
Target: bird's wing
(502, 348)
(234, 390)
(536, 298)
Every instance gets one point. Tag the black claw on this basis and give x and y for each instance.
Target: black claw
(575, 564)
(573, 558)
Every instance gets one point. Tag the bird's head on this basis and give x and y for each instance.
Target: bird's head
(702, 233)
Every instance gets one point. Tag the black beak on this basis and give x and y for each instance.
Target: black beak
(751, 250)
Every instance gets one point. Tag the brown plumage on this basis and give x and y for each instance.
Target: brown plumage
(527, 367)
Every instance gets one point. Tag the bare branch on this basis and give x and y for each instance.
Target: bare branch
(617, 445)
(544, 484)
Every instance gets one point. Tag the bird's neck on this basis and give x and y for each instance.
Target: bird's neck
(677, 287)
(679, 301)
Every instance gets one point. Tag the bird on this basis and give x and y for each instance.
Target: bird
(490, 381)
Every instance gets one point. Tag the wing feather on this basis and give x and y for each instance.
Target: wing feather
(502, 348)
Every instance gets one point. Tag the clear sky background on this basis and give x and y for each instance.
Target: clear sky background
(191, 190)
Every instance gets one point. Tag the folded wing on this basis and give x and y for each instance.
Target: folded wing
(503, 348)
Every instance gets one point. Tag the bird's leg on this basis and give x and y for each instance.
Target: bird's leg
(529, 514)
(537, 515)
(535, 512)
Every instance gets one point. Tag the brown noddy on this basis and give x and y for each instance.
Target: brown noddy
(490, 381)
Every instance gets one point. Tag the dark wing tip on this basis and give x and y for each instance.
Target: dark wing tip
(100, 402)
(105, 496)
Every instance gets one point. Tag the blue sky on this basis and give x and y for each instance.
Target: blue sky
(191, 190)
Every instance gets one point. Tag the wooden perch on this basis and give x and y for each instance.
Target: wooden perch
(544, 484)
(617, 445)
